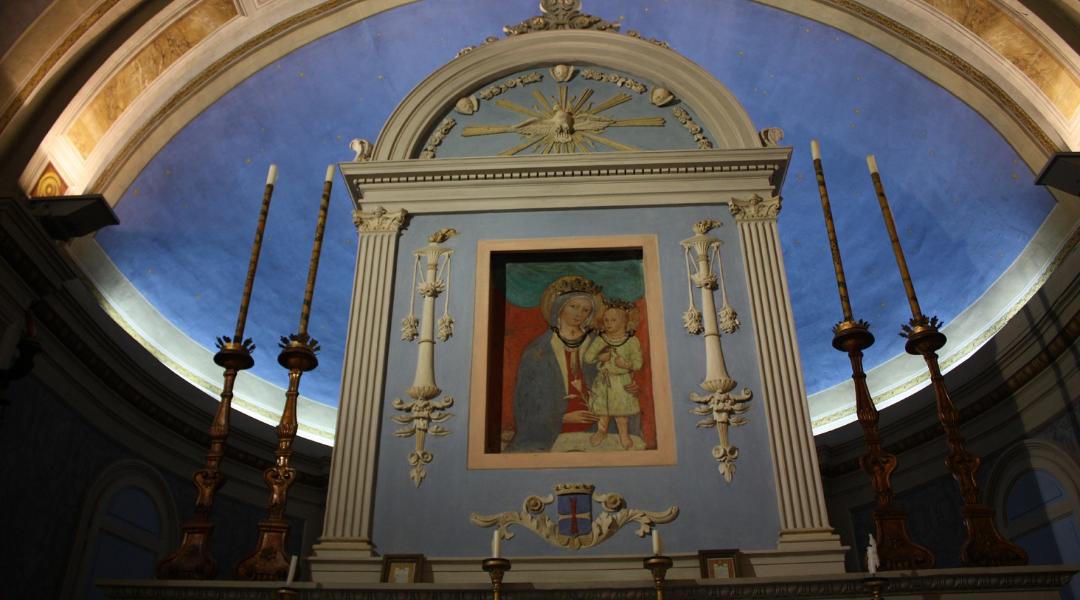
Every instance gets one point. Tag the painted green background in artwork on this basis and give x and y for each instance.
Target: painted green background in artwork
(621, 276)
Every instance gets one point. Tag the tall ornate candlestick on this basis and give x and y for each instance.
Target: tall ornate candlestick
(269, 560)
(723, 408)
(425, 413)
(193, 560)
(984, 546)
(896, 550)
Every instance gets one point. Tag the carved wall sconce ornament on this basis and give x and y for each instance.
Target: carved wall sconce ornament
(722, 408)
(424, 413)
(575, 527)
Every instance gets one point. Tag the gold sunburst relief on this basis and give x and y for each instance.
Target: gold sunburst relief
(563, 124)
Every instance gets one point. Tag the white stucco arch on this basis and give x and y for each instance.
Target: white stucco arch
(716, 107)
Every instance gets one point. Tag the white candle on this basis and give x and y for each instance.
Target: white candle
(657, 548)
(815, 150)
(329, 173)
(271, 175)
(872, 163)
(496, 544)
(292, 570)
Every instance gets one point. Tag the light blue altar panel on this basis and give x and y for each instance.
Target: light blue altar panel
(714, 514)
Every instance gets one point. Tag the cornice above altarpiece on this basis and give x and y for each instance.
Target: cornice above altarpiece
(611, 179)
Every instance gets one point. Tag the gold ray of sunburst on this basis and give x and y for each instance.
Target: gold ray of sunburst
(563, 124)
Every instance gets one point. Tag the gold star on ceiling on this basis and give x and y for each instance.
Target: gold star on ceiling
(563, 124)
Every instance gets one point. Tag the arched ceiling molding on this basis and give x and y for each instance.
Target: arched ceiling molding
(43, 53)
(277, 28)
(956, 59)
(717, 109)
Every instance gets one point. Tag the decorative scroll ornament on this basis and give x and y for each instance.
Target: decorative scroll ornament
(771, 136)
(575, 527)
(723, 409)
(424, 413)
(560, 14)
(755, 208)
(362, 148)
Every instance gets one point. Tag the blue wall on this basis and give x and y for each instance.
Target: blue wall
(434, 518)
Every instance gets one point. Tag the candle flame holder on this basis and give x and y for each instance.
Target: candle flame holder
(658, 565)
(496, 568)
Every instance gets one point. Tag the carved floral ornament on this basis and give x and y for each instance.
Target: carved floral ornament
(721, 408)
(755, 208)
(379, 220)
(424, 413)
(575, 527)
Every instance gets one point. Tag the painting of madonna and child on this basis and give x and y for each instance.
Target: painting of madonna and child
(573, 365)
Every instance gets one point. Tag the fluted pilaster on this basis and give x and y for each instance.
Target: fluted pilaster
(350, 497)
(803, 516)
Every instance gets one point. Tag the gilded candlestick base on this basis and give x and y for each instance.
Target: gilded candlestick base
(896, 551)
(496, 568)
(193, 559)
(269, 561)
(875, 585)
(985, 547)
(658, 565)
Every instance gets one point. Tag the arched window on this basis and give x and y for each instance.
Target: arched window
(128, 523)
(1035, 487)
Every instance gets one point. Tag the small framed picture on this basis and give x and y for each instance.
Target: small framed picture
(719, 564)
(402, 568)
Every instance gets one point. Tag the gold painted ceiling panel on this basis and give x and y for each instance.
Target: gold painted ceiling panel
(146, 66)
(1012, 41)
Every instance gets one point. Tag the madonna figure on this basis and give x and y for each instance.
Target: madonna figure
(552, 390)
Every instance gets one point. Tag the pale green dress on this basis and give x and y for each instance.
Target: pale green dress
(607, 395)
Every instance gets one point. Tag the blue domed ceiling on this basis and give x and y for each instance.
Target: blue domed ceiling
(963, 200)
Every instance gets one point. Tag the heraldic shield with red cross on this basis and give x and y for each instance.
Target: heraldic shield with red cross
(574, 507)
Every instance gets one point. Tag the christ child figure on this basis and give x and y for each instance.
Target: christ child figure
(617, 354)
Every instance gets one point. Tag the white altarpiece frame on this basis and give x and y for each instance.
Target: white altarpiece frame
(742, 172)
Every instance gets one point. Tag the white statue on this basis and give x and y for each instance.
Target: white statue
(872, 561)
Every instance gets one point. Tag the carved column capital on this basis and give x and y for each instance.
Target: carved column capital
(379, 220)
(755, 208)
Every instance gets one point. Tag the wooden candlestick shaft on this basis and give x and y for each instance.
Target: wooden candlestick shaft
(253, 263)
(834, 246)
(898, 251)
(313, 265)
